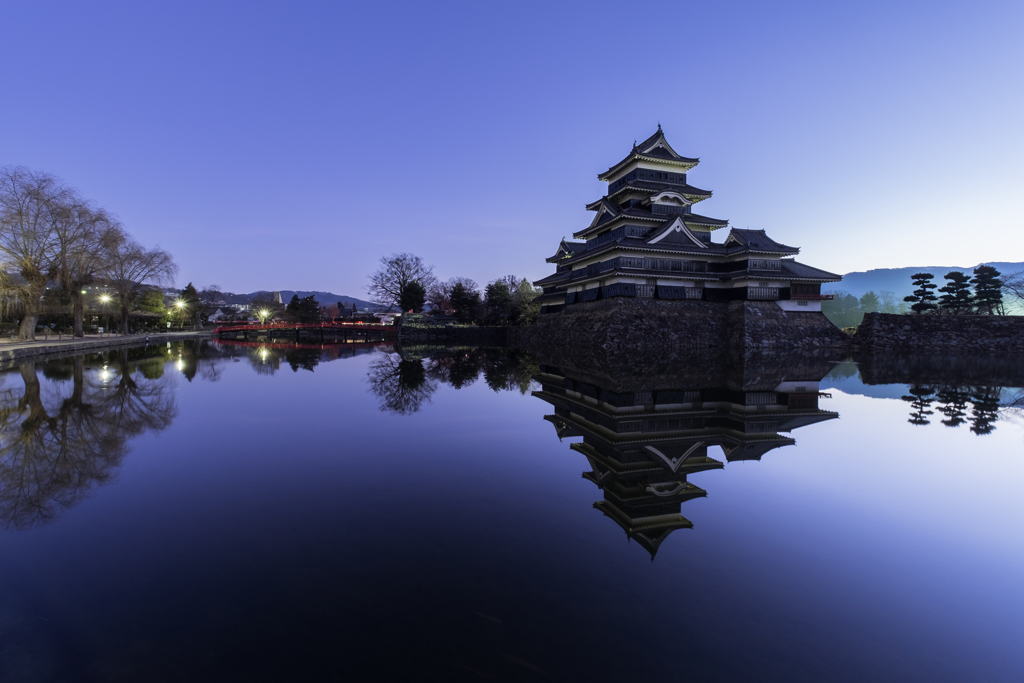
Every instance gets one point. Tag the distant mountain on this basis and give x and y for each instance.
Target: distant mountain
(897, 280)
(323, 298)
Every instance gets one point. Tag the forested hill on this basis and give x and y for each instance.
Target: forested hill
(323, 298)
(897, 280)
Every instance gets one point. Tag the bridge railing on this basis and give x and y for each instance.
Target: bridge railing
(301, 326)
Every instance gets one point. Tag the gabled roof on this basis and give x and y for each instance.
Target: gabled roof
(757, 240)
(654, 148)
(704, 221)
(605, 209)
(676, 224)
(657, 145)
(654, 187)
(566, 249)
(799, 271)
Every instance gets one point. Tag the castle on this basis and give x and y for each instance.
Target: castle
(645, 241)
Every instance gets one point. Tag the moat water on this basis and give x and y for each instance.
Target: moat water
(205, 512)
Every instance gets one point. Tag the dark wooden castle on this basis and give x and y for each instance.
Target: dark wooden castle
(646, 241)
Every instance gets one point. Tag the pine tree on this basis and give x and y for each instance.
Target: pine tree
(920, 399)
(984, 409)
(413, 296)
(294, 308)
(465, 301)
(956, 295)
(869, 303)
(922, 299)
(988, 290)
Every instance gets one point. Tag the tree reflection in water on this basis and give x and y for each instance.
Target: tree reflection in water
(56, 446)
(952, 402)
(404, 381)
(401, 385)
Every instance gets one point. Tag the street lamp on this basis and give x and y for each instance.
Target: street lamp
(263, 314)
(104, 300)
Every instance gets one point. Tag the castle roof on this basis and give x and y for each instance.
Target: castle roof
(653, 187)
(654, 148)
(800, 271)
(566, 249)
(757, 240)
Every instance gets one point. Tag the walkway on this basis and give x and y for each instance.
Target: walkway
(16, 351)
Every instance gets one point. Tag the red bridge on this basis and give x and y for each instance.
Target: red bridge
(344, 332)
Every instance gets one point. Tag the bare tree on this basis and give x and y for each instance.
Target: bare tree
(1013, 287)
(440, 293)
(27, 235)
(84, 237)
(131, 268)
(396, 272)
(210, 294)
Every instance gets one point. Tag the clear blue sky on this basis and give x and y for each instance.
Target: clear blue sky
(290, 145)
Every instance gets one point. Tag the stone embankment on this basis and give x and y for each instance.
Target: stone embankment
(411, 335)
(642, 330)
(17, 352)
(941, 333)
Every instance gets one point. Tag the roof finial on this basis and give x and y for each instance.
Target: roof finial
(659, 126)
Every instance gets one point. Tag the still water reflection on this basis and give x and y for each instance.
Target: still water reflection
(228, 511)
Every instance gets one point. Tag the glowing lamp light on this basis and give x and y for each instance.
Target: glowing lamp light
(105, 298)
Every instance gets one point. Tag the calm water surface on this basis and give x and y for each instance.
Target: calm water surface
(210, 512)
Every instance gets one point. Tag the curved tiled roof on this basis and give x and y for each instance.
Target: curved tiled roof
(758, 240)
(654, 187)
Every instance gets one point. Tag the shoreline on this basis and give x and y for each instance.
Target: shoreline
(16, 353)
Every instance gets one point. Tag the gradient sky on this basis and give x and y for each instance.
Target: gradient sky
(291, 145)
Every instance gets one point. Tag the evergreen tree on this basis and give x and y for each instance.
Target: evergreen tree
(843, 310)
(985, 409)
(988, 290)
(413, 296)
(294, 308)
(498, 300)
(464, 301)
(954, 405)
(187, 304)
(923, 299)
(956, 294)
(190, 296)
(309, 309)
(869, 303)
(920, 400)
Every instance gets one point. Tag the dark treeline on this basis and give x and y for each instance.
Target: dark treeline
(54, 243)
(976, 406)
(846, 310)
(961, 294)
(404, 282)
(986, 292)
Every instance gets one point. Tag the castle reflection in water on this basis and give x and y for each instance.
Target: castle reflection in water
(67, 424)
(644, 442)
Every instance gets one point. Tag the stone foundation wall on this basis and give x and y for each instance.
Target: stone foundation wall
(453, 336)
(763, 324)
(625, 330)
(941, 333)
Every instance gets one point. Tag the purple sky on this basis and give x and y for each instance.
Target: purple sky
(290, 145)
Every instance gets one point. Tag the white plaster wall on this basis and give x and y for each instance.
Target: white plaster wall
(800, 305)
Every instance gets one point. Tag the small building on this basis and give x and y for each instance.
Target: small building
(646, 241)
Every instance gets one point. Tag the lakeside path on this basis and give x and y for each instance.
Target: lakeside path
(18, 351)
